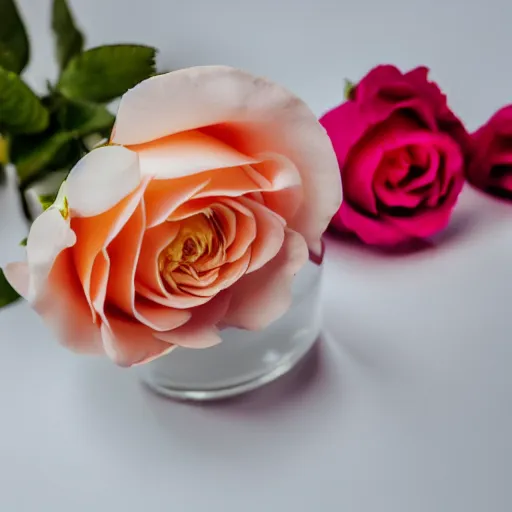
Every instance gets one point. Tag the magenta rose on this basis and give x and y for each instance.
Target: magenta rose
(490, 168)
(401, 154)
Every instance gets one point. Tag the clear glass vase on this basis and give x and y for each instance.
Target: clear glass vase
(245, 360)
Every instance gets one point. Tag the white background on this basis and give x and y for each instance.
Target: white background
(407, 404)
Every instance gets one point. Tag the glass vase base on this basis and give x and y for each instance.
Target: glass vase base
(170, 390)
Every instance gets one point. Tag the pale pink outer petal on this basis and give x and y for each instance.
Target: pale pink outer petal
(263, 296)
(257, 115)
(49, 235)
(17, 275)
(49, 282)
(101, 179)
(184, 154)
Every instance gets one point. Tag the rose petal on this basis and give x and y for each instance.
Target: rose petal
(263, 296)
(101, 179)
(124, 254)
(200, 331)
(95, 233)
(259, 116)
(229, 273)
(129, 343)
(423, 224)
(270, 234)
(18, 277)
(246, 229)
(49, 235)
(371, 230)
(64, 309)
(155, 240)
(185, 154)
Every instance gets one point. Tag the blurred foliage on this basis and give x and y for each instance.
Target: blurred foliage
(45, 135)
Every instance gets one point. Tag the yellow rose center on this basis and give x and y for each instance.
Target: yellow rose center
(197, 239)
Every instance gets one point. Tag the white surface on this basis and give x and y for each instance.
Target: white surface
(406, 407)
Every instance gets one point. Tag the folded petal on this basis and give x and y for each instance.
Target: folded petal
(49, 235)
(201, 330)
(270, 234)
(124, 253)
(129, 343)
(249, 113)
(163, 197)
(64, 309)
(371, 230)
(185, 154)
(263, 296)
(101, 179)
(93, 234)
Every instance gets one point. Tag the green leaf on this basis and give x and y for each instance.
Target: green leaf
(47, 200)
(7, 58)
(69, 40)
(36, 157)
(84, 118)
(101, 74)
(23, 243)
(20, 109)
(13, 38)
(348, 90)
(8, 294)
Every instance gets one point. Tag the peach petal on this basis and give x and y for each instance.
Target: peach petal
(229, 274)
(205, 279)
(101, 179)
(160, 318)
(64, 309)
(277, 170)
(263, 296)
(163, 197)
(285, 202)
(185, 154)
(200, 331)
(270, 172)
(129, 343)
(95, 233)
(178, 301)
(124, 254)
(190, 208)
(227, 219)
(49, 282)
(154, 241)
(99, 279)
(233, 181)
(254, 115)
(270, 229)
(244, 235)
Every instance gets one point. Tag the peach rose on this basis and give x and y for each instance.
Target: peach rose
(198, 213)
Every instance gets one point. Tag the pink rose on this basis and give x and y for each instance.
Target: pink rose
(198, 213)
(491, 155)
(399, 150)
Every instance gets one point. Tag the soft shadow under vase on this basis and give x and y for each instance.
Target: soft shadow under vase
(245, 360)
